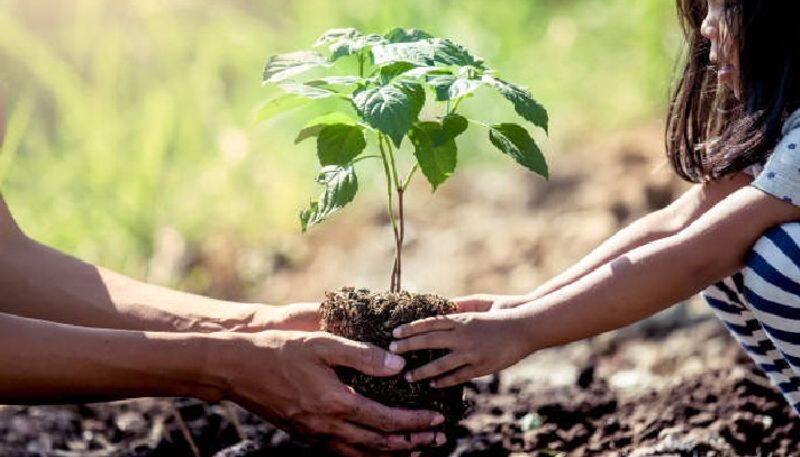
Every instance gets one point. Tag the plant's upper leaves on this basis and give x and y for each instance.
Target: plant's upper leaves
(391, 108)
(339, 144)
(335, 80)
(436, 154)
(524, 104)
(515, 141)
(417, 53)
(400, 35)
(283, 66)
(307, 91)
(334, 35)
(341, 186)
(451, 87)
(453, 125)
(425, 52)
(348, 46)
(449, 53)
(393, 70)
(314, 126)
(280, 104)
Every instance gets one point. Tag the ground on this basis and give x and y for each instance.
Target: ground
(675, 384)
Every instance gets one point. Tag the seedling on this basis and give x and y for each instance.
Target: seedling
(393, 76)
(384, 95)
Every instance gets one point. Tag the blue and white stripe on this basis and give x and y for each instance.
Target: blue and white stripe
(760, 306)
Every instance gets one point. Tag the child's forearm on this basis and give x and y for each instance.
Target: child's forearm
(654, 226)
(659, 274)
(46, 362)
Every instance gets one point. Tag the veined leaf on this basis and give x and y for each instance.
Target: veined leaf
(449, 53)
(343, 80)
(400, 35)
(280, 104)
(450, 87)
(348, 46)
(391, 108)
(436, 153)
(523, 101)
(333, 35)
(341, 186)
(417, 53)
(393, 70)
(283, 66)
(453, 125)
(311, 92)
(516, 142)
(314, 126)
(339, 144)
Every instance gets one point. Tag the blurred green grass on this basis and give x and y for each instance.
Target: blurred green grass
(132, 115)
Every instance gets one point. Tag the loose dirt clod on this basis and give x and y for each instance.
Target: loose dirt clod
(361, 315)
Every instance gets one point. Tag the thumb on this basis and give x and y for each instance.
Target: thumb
(366, 358)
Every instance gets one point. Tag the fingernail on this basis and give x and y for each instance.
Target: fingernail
(409, 378)
(397, 333)
(440, 439)
(394, 362)
(438, 419)
(433, 384)
(393, 347)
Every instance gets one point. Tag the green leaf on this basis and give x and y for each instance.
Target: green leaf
(453, 125)
(339, 144)
(337, 80)
(341, 186)
(304, 90)
(524, 104)
(334, 35)
(436, 158)
(283, 66)
(391, 108)
(393, 70)
(418, 53)
(515, 141)
(449, 53)
(280, 104)
(314, 126)
(400, 35)
(450, 87)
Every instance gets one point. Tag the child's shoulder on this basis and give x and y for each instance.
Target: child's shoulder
(781, 174)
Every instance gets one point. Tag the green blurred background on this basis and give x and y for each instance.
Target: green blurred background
(132, 117)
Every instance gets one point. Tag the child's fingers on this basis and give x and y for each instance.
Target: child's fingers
(434, 340)
(459, 376)
(473, 303)
(438, 367)
(424, 325)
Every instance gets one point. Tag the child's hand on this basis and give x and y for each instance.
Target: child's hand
(489, 302)
(480, 343)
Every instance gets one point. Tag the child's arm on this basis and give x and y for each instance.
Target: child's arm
(654, 226)
(635, 285)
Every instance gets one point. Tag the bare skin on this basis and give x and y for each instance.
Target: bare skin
(75, 332)
(659, 260)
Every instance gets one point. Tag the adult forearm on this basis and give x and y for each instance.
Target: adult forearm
(46, 362)
(42, 283)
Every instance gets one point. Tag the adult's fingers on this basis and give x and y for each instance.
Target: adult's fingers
(366, 358)
(459, 376)
(423, 326)
(433, 340)
(349, 450)
(355, 434)
(380, 417)
(438, 367)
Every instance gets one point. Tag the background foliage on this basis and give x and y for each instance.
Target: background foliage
(128, 117)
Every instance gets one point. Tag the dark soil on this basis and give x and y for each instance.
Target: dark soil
(361, 315)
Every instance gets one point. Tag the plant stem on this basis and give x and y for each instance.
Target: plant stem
(394, 285)
(398, 261)
(410, 175)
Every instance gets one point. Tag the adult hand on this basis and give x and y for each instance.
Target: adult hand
(297, 316)
(288, 378)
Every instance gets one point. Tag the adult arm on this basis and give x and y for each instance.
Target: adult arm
(286, 377)
(42, 283)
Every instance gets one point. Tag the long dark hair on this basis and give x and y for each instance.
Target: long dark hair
(710, 133)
